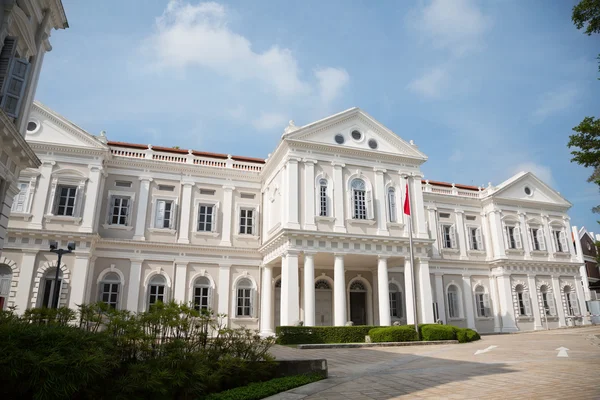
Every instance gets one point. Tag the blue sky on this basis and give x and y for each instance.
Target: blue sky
(484, 88)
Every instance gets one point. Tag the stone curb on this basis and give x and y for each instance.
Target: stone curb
(362, 345)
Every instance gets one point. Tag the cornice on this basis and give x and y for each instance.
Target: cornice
(184, 248)
(49, 147)
(16, 141)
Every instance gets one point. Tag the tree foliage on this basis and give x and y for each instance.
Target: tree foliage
(587, 14)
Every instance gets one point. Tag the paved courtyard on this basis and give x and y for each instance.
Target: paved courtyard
(521, 366)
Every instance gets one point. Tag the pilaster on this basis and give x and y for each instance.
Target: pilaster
(495, 304)
(39, 202)
(133, 292)
(433, 231)
(497, 234)
(339, 290)
(525, 235)
(142, 209)
(309, 289)
(180, 281)
(416, 206)
(79, 278)
(290, 299)
(309, 195)
(410, 294)
(292, 194)
(90, 209)
(224, 289)
(27, 270)
(439, 296)
(227, 214)
(460, 232)
(338, 197)
(535, 302)
(560, 308)
(468, 296)
(380, 202)
(506, 304)
(266, 302)
(424, 289)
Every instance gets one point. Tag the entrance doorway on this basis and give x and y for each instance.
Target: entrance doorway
(323, 303)
(358, 303)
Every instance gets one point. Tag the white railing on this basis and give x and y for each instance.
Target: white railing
(189, 158)
(452, 191)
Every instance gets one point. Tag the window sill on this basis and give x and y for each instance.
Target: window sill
(450, 250)
(25, 216)
(456, 319)
(476, 252)
(62, 218)
(164, 231)
(562, 254)
(246, 319)
(515, 251)
(395, 225)
(525, 318)
(246, 237)
(484, 318)
(205, 234)
(539, 253)
(117, 227)
(353, 221)
(321, 218)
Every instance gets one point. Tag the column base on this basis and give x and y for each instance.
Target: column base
(340, 229)
(183, 241)
(383, 232)
(223, 243)
(292, 225)
(142, 238)
(266, 333)
(310, 227)
(510, 329)
(34, 225)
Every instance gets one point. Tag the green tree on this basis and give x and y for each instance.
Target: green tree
(586, 140)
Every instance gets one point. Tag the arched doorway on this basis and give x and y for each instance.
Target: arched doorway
(323, 303)
(5, 279)
(358, 303)
(277, 304)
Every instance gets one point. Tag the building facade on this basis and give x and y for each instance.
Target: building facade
(25, 27)
(314, 233)
(585, 246)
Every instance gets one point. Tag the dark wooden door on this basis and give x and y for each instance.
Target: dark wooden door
(358, 308)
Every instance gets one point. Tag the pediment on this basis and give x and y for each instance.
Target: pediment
(357, 130)
(525, 186)
(54, 129)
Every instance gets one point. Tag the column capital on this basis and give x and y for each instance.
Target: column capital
(30, 251)
(48, 163)
(187, 183)
(266, 266)
(459, 211)
(379, 170)
(467, 275)
(181, 262)
(339, 255)
(309, 161)
(145, 179)
(294, 160)
(309, 253)
(383, 257)
(337, 164)
(432, 208)
(438, 273)
(291, 252)
(136, 260)
(228, 188)
(566, 218)
(521, 213)
(225, 265)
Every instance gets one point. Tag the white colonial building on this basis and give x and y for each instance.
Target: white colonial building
(314, 233)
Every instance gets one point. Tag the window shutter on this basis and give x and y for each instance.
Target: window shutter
(527, 303)
(14, 86)
(453, 237)
(551, 303)
(215, 214)
(479, 239)
(173, 224)
(160, 214)
(506, 238)
(540, 238)
(78, 201)
(369, 200)
(6, 55)
(563, 242)
(129, 208)
(517, 233)
(486, 305)
(575, 304)
(531, 239)
(252, 301)
(111, 207)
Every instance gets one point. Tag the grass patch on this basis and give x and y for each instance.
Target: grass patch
(260, 390)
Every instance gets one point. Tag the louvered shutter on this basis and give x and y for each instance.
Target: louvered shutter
(517, 234)
(551, 304)
(174, 216)
(453, 237)
(5, 285)
(532, 239)
(129, 209)
(252, 301)
(6, 55)
(160, 214)
(479, 239)
(506, 237)
(77, 211)
(111, 207)
(19, 201)
(563, 242)
(369, 200)
(215, 215)
(575, 304)
(540, 238)
(14, 87)
(486, 305)
(527, 303)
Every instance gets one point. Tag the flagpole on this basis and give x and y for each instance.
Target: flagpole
(412, 261)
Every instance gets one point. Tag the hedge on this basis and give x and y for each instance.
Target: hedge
(437, 332)
(260, 390)
(464, 335)
(393, 334)
(321, 334)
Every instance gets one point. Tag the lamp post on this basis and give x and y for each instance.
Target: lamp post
(54, 249)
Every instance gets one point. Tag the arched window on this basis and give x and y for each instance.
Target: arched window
(396, 306)
(359, 199)
(547, 301)
(482, 302)
(523, 305)
(157, 290)
(322, 284)
(453, 301)
(202, 293)
(48, 285)
(245, 299)
(323, 199)
(5, 278)
(571, 301)
(110, 287)
(392, 204)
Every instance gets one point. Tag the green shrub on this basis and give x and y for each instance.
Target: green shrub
(321, 334)
(393, 334)
(437, 332)
(260, 390)
(464, 335)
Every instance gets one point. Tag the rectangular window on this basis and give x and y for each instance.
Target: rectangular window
(453, 305)
(119, 210)
(20, 200)
(521, 304)
(394, 304)
(512, 237)
(475, 239)
(164, 214)
(546, 303)
(201, 298)
(323, 200)
(205, 218)
(360, 204)
(166, 188)
(49, 292)
(480, 303)
(448, 236)
(560, 241)
(244, 303)
(246, 221)
(534, 239)
(65, 204)
(208, 192)
(157, 293)
(110, 294)
(125, 184)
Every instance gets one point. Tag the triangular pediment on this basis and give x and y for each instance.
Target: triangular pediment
(527, 187)
(52, 128)
(353, 129)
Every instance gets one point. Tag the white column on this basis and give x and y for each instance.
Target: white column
(266, 302)
(309, 289)
(224, 289)
(548, 236)
(582, 269)
(290, 299)
(133, 291)
(309, 195)
(581, 300)
(487, 235)
(468, 298)
(433, 231)
(90, 209)
(506, 304)
(338, 197)
(339, 291)
(186, 209)
(142, 208)
(90, 295)
(180, 281)
(495, 304)
(383, 290)
(460, 232)
(380, 202)
(525, 235)
(497, 234)
(416, 207)
(439, 296)
(410, 294)
(39, 202)
(424, 293)
(27, 270)
(560, 309)
(79, 278)
(535, 302)
(227, 214)
(292, 194)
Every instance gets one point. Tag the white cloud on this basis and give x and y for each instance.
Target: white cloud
(269, 121)
(555, 101)
(198, 35)
(431, 84)
(456, 25)
(541, 171)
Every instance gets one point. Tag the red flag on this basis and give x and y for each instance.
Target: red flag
(407, 202)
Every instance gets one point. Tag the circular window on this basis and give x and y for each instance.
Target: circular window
(373, 143)
(339, 138)
(31, 126)
(527, 190)
(356, 135)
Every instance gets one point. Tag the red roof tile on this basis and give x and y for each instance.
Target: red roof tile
(456, 185)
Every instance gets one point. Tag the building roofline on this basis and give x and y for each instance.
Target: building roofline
(446, 184)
